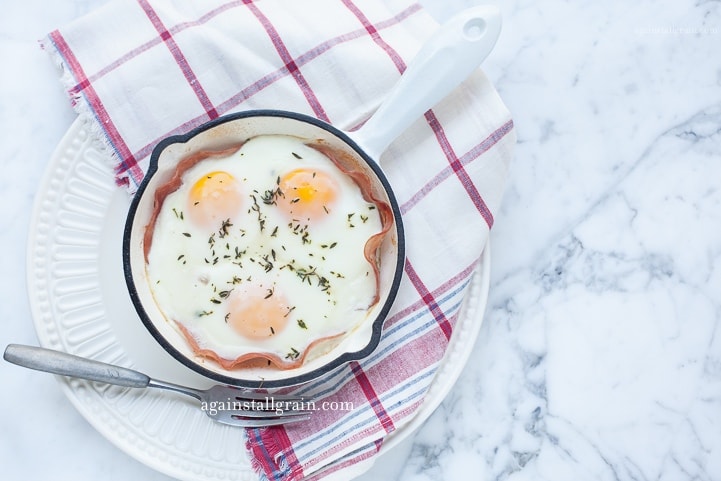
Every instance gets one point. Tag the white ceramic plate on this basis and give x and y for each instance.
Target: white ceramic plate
(80, 305)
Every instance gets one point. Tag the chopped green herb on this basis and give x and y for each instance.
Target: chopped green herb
(256, 208)
(270, 196)
(224, 226)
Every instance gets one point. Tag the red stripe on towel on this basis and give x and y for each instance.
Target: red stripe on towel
(373, 32)
(429, 300)
(485, 145)
(128, 163)
(289, 62)
(156, 41)
(458, 168)
(180, 59)
(372, 397)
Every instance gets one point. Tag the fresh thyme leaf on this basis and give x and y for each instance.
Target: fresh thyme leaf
(265, 263)
(224, 226)
(270, 196)
(256, 208)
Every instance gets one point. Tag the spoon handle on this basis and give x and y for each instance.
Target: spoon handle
(57, 362)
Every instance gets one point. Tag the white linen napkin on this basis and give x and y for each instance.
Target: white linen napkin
(138, 71)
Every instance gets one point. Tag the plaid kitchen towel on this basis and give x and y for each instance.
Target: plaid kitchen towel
(140, 70)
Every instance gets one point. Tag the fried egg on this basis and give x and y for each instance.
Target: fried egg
(261, 253)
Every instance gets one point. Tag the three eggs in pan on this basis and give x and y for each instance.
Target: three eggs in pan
(259, 252)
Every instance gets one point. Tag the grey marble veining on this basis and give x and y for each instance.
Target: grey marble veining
(600, 353)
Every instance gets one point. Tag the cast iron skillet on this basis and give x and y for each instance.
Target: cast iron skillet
(444, 61)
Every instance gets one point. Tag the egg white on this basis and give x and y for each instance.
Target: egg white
(319, 265)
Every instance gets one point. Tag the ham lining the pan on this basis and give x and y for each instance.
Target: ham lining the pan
(346, 164)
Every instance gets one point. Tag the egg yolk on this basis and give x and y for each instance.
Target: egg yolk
(307, 194)
(213, 199)
(257, 313)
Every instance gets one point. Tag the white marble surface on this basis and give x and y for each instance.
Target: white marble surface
(600, 354)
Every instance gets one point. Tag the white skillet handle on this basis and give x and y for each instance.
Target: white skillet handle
(445, 60)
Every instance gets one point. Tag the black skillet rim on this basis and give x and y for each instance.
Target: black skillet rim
(324, 369)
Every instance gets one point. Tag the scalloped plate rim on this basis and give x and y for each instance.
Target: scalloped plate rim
(471, 316)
